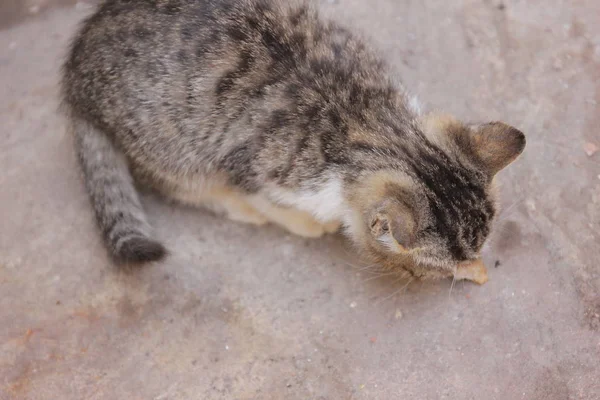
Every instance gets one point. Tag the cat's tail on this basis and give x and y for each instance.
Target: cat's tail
(113, 196)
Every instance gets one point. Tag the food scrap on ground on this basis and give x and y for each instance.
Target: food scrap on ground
(474, 271)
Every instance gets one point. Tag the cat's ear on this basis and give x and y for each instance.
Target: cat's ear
(495, 144)
(394, 226)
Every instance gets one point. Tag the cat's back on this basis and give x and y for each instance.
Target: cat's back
(151, 53)
(225, 70)
(124, 53)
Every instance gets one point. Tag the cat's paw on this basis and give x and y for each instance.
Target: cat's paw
(305, 227)
(332, 226)
(246, 215)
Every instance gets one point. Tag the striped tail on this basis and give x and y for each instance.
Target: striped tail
(113, 196)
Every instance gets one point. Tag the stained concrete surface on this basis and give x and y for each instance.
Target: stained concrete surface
(239, 312)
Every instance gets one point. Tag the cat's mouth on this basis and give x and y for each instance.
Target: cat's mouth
(471, 270)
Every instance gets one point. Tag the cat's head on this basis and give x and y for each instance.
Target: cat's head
(434, 211)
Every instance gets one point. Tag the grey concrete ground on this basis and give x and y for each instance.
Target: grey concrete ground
(239, 312)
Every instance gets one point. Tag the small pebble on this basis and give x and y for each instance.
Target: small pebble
(590, 149)
(353, 304)
(530, 204)
(497, 264)
(398, 314)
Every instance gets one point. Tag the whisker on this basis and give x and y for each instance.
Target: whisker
(505, 213)
(379, 276)
(400, 277)
(347, 253)
(355, 266)
(395, 292)
(369, 269)
(451, 286)
(373, 268)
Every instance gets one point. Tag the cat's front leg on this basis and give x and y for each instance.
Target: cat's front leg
(332, 226)
(298, 222)
(295, 221)
(219, 198)
(237, 209)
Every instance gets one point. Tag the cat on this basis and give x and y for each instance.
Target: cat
(264, 112)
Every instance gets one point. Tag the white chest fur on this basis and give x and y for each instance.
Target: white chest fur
(325, 202)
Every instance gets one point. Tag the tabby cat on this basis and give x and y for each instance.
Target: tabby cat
(264, 112)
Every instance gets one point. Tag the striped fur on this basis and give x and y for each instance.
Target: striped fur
(118, 209)
(269, 101)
